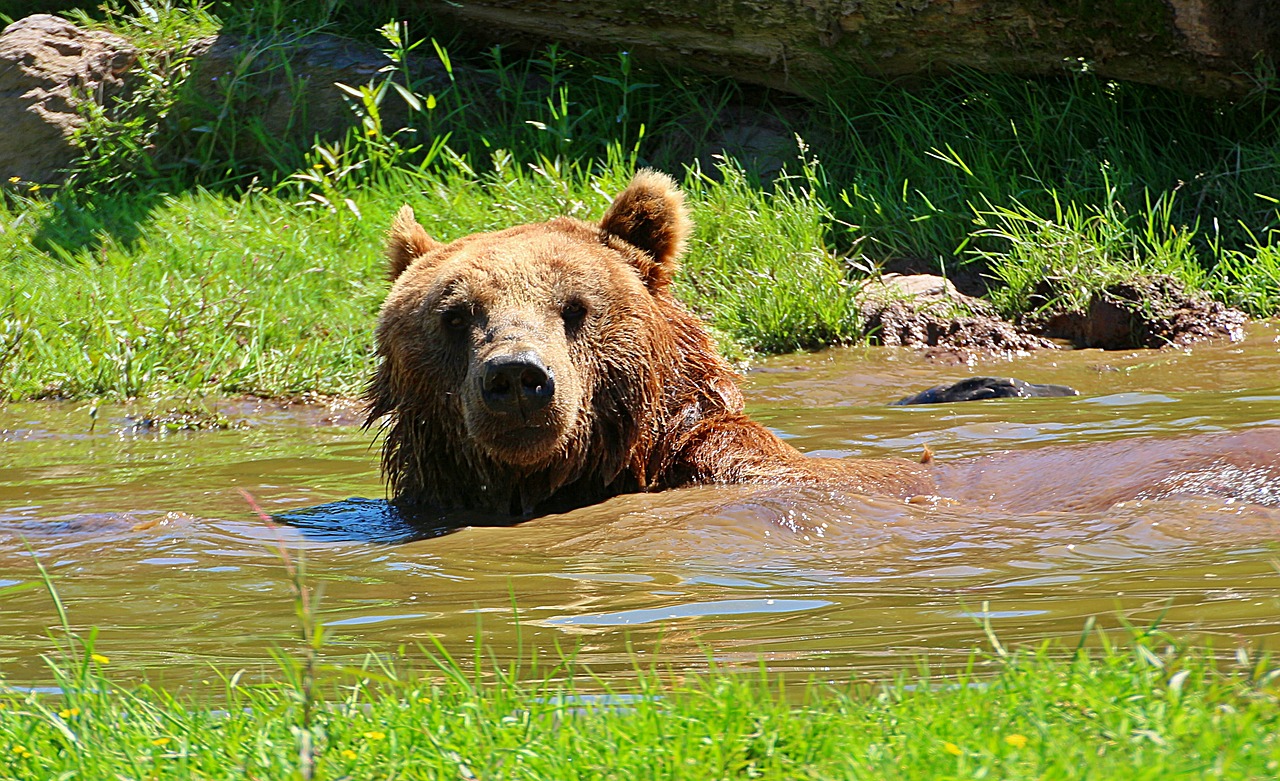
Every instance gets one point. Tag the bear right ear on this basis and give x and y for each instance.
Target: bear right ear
(406, 242)
(651, 215)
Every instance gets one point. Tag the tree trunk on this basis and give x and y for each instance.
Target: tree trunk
(1208, 47)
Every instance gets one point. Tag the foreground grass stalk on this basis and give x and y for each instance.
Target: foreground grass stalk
(300, 673)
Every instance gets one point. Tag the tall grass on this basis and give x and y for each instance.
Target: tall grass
(761, 270)
(193, 251)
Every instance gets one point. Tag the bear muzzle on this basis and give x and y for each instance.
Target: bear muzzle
(517, 384)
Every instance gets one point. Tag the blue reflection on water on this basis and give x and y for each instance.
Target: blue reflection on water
(721, 607)
(377, 520)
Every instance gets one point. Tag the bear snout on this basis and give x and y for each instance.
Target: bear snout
(517, 384)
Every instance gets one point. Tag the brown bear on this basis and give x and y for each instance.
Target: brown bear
(548, 366)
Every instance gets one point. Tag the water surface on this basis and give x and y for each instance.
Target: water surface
(1153, 496)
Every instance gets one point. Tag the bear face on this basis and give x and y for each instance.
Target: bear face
(548, 366)
(518, 337)
(527, 354)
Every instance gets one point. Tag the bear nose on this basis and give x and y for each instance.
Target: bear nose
(517, 384)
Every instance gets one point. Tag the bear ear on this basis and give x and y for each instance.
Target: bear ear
(406, 242)
(651, 215)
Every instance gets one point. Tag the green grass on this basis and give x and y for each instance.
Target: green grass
(192, 252)
(268, 295)
(1065, 257)
(224, 294)
(1139, 711)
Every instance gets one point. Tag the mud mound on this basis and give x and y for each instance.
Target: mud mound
(1153, 312)
(924, 310)
(899, 323)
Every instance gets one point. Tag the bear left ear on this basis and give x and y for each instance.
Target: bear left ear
(406, 242)
(651, 215)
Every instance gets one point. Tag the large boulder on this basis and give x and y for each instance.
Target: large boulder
(49, 69)
(1207, 47)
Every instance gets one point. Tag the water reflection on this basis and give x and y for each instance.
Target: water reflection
(374, 520)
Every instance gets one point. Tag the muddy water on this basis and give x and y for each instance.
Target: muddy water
(1155, 495)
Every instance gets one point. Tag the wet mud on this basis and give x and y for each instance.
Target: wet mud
(1150, 313)
(953, 327)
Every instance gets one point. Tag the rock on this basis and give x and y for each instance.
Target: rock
(271, 93)
(1152, 312)
(979, 388)
(809, 47)
(759, 142)
(49, 69)
(925, 310)
(922, 289)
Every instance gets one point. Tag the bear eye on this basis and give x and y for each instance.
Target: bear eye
(455, 318)
(574, 312)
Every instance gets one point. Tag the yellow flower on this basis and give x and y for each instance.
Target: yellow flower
(15, 179)
(424, 700)
(34, 188)
(160, 741)
(23, 751)
(1017, 741)
(100, 659)
(68, 713)
(952, 748)
(375, 735)
(349, 754)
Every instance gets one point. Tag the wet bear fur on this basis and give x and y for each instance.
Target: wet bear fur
(548, 366)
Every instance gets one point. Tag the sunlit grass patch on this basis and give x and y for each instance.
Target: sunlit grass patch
(247, 295)
(1059, 261)
(265, 294)
(761, 269)
(1142, 708)
(1250, 279)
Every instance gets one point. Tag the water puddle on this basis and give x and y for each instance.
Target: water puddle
(1154, 496)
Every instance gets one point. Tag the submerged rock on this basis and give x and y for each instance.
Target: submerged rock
(979, 388)
(49, 70)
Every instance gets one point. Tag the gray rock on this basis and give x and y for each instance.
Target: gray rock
(922, 291)
(260, 94)
(49, 68)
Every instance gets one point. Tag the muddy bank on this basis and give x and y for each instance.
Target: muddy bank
(929, 312)
(1154, 312)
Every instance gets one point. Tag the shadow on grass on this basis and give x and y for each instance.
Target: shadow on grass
(75, 225)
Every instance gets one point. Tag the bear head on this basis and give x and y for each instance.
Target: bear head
(533, 362)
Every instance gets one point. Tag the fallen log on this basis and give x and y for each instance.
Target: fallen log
(1206, 47)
